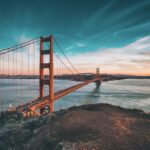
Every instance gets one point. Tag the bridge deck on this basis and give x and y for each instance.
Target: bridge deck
(39, 103)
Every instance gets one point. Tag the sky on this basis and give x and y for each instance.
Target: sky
(111, 34)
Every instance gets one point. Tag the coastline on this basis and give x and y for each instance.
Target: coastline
(97, 126)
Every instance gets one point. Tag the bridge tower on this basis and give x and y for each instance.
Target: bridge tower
(98, 82)
(97, 72)
(50, 67)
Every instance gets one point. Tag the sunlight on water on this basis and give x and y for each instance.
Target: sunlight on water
(129, 93)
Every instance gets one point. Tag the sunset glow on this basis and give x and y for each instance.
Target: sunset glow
(112, 35)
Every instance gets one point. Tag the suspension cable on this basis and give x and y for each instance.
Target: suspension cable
(20, 46)
(66, 66)
(65, 55)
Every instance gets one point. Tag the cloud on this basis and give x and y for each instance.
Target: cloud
(131, 59)
(142, 61)
(145, 53)
(69, 48)
(80, 44)
(22, 38)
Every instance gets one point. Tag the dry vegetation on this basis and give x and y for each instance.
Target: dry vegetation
(88, 127)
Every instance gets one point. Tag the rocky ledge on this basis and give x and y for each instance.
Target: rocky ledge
(87, 127)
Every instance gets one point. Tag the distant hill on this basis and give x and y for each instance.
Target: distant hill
(79, 77)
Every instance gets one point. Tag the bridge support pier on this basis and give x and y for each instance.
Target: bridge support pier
(50, 66)
(51, 74)
(98, 82)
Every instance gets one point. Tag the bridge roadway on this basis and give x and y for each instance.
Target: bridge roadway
(40, 103)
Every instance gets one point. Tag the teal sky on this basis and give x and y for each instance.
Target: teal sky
(80, 26)
(90, 24)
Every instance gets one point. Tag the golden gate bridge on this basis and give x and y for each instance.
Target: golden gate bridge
(34, 59)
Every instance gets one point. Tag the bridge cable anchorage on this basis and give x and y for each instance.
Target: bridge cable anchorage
(67, 58)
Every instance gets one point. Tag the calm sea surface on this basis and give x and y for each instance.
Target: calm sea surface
(129, 93)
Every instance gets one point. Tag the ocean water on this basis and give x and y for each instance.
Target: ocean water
(128, 93)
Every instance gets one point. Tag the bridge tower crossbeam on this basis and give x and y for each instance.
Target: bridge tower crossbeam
(45, 103)
(50, 67)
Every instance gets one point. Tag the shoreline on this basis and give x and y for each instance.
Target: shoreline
(84, 76)
(97, 126)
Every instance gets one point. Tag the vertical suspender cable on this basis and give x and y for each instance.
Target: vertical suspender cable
(16, 78)
(21, 78)
(34, 69)
(28, 72)
(13, 79)
(2, 80)
(1, 87)
(8, 81)
(3, 84)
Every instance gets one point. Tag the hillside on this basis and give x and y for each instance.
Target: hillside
(88, 127)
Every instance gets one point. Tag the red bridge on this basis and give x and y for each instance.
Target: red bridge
(44, 103)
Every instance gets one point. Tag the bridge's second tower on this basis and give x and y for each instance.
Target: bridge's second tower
(50, 67)
(98, 82)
